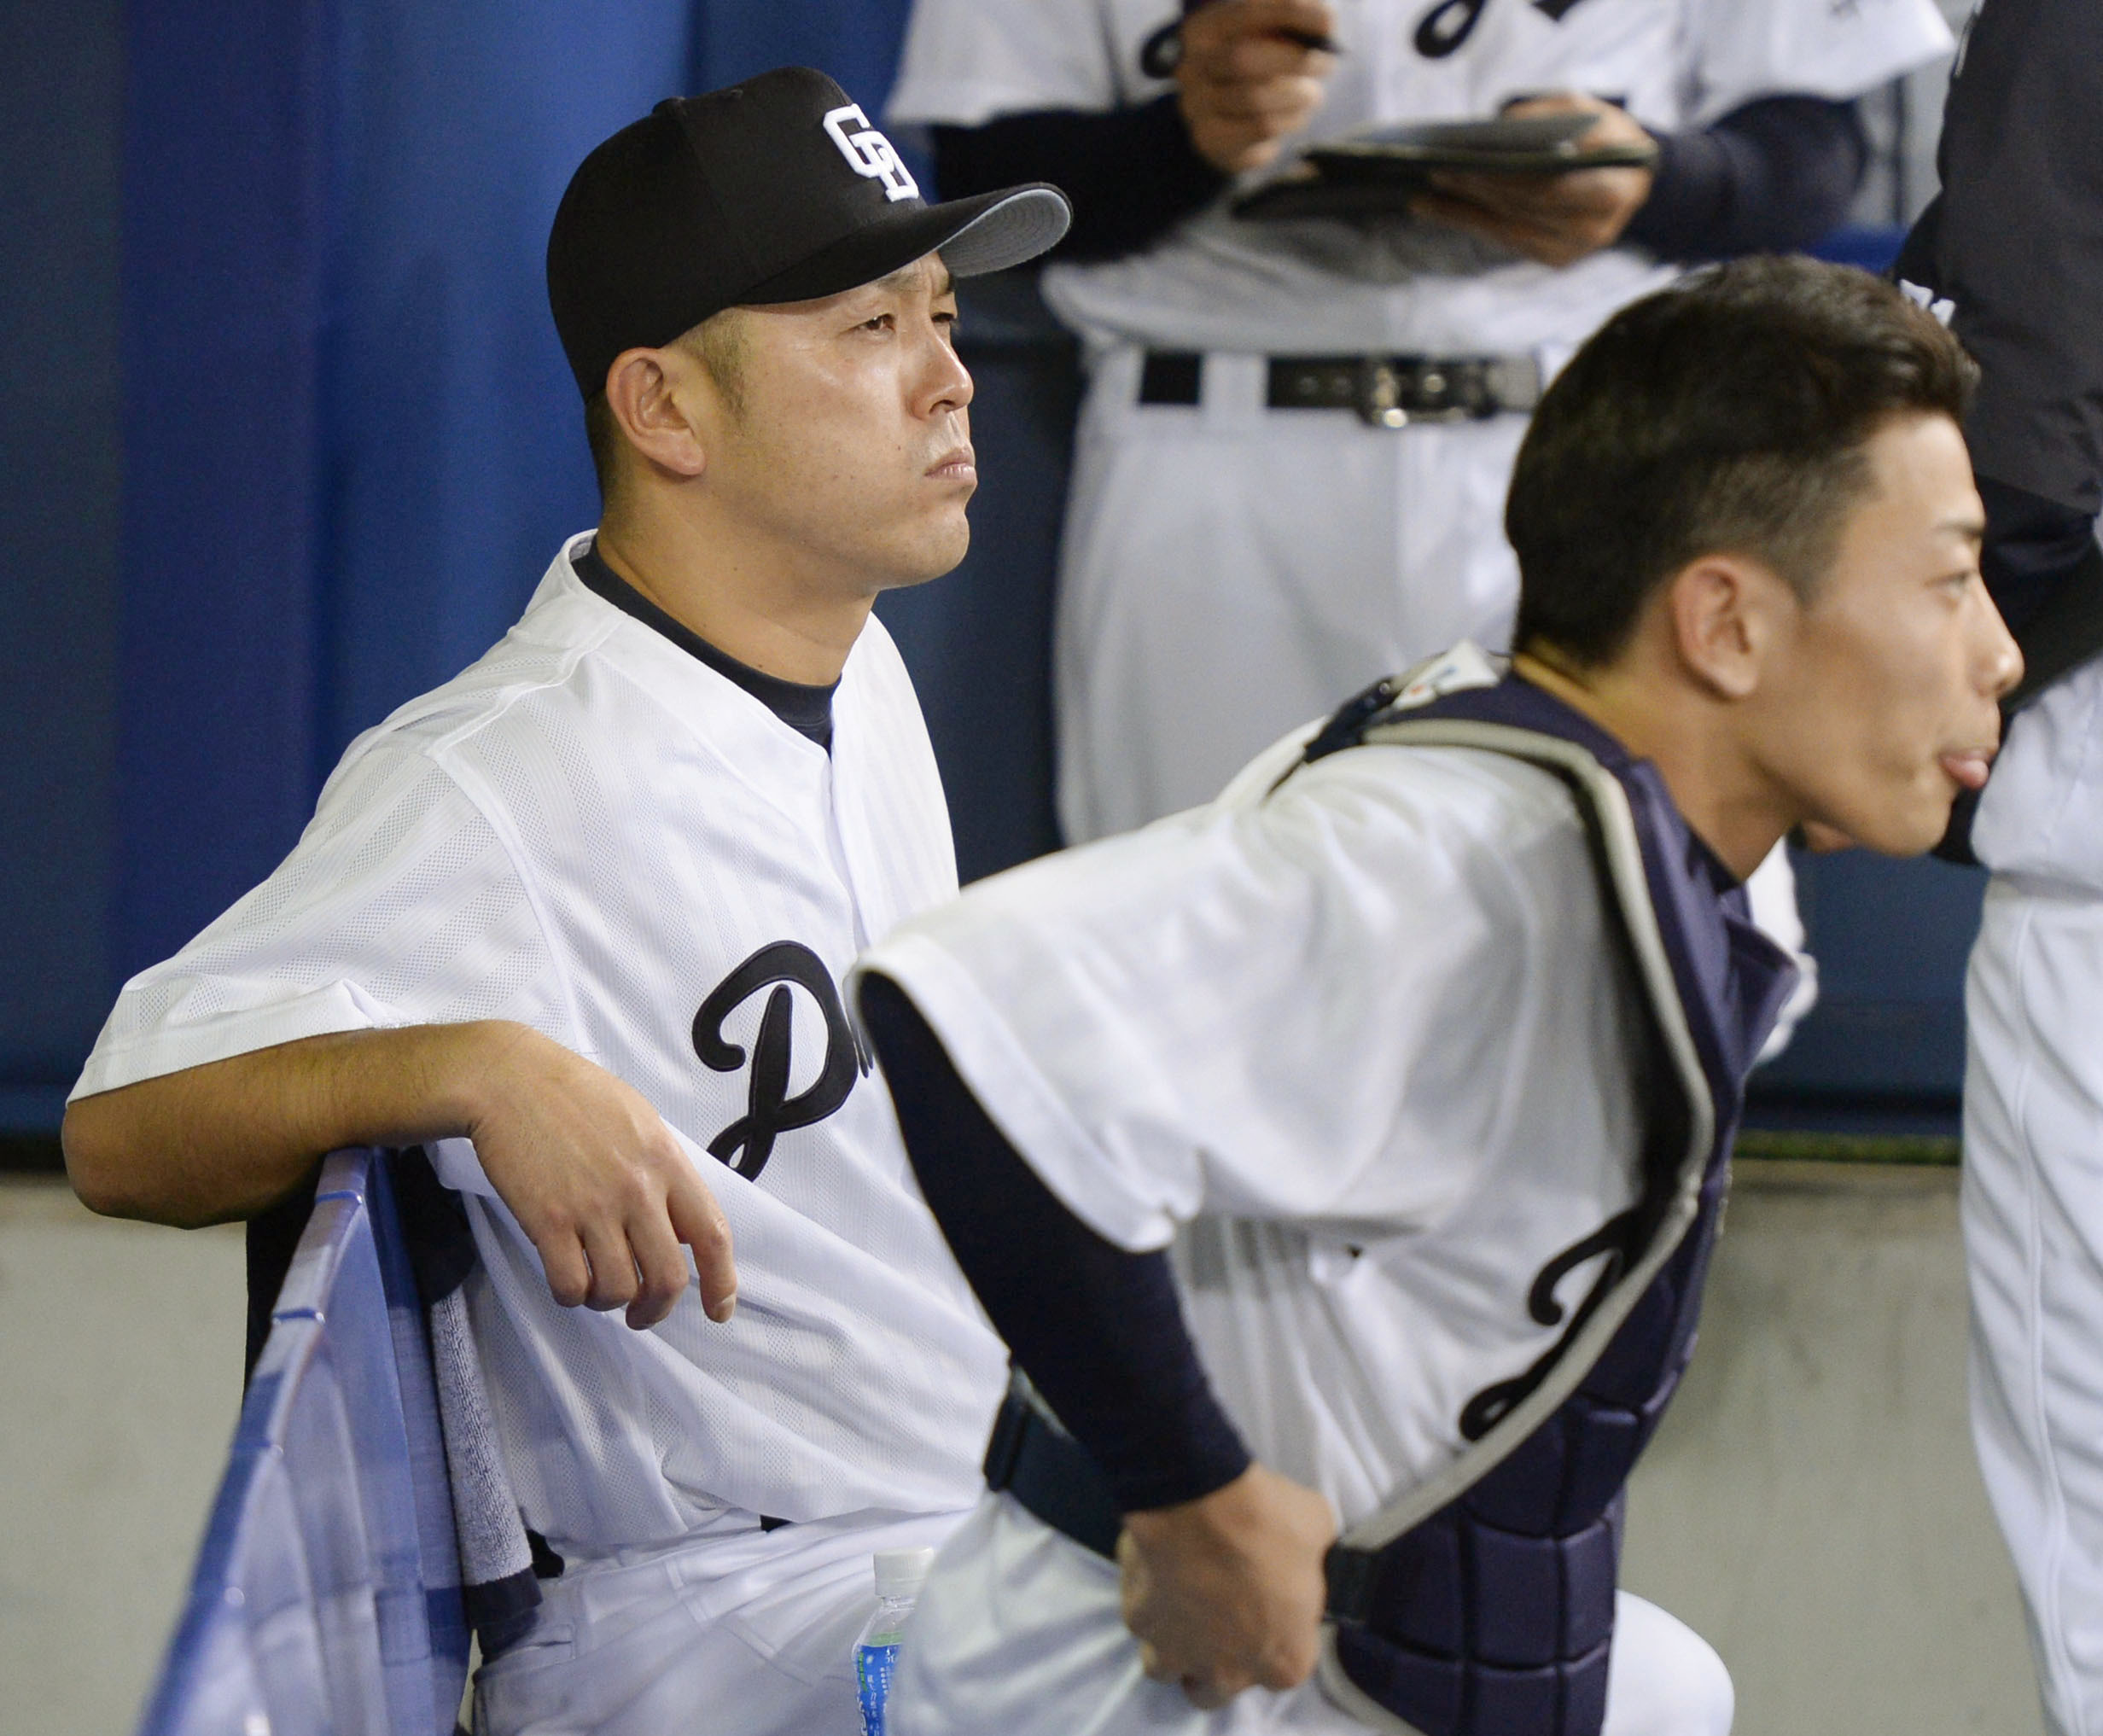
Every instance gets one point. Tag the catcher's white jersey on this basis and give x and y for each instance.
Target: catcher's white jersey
(1221, 282)
(591, 833)
(1361, 1051)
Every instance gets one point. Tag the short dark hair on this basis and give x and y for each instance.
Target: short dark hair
(1727, 414)
(603, 435)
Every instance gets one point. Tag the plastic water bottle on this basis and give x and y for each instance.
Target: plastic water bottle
(901, 1573)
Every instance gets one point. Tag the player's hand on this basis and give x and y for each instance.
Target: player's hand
(1226, 1592)
(596, 1179)
(1243, 83)
(1558, 219)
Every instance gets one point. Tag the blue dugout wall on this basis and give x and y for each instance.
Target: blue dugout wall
(289, 438)
(59, 487)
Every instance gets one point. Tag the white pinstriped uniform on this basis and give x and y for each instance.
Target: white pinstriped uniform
(588, 832)
(2033, 1174)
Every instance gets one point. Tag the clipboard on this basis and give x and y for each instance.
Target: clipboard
(1376, 172)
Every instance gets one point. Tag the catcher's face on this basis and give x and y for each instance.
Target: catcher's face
(1879, 700)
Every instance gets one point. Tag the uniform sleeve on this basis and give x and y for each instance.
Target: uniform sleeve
(398, 905)
(1777, 174)
(1097, 1329)
(1302, 1009)
(967, 60)
(1810, 48)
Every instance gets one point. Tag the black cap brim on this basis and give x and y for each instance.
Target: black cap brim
(988, 232)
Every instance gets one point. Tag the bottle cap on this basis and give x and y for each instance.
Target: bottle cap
(901, 1573)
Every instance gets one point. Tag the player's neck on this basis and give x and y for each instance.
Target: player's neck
(751, 600)
(1659, 716)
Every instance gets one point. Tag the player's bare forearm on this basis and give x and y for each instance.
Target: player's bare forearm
(225, 1140)
(587, 1167)
(1226, 1592)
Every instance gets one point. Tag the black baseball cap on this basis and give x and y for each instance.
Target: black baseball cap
(776, 189)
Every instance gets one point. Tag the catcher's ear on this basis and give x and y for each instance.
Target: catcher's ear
(1725, 614)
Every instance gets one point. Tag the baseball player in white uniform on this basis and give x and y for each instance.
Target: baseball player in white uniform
(1282, 1138)
(577, 918)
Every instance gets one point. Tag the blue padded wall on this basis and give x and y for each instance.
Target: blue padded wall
(59, 484)
(337, 215)
(1890, 939)
(456, 460)
(228, 197)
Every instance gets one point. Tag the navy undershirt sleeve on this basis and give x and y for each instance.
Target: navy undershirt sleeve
(1777, 173)
(2033, 548)
(1099, 1331)
(1132, 174)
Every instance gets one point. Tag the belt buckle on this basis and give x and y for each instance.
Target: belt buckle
(1378, 399)
(1458, 384)
(1395, 391)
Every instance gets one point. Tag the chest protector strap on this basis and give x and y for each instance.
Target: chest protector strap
(1480, 1602)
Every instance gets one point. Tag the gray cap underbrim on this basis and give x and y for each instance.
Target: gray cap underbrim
(1027, 221)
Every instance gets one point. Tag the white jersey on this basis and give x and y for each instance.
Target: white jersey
(591, 833)
(1221, 283)
(2042, 814)
(1361, 1051)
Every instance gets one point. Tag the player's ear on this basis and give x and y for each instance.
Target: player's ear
(653, 401)
(1723, 613)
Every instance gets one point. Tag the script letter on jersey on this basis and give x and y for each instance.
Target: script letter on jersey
(748, 1142)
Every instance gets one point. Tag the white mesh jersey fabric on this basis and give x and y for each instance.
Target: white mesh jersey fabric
(1220, 282)
(589, 832)
(1361, 1052)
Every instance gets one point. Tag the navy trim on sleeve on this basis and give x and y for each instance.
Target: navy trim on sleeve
(1774, 174)
(1132, 174)
(1099, 1331)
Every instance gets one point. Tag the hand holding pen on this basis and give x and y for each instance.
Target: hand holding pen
(1249, 73)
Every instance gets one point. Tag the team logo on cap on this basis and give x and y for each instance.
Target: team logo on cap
(869, 154)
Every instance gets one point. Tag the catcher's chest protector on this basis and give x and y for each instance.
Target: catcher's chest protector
(1483, 1604)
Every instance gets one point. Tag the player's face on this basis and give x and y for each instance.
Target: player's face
(1883, 703)
(851, 441)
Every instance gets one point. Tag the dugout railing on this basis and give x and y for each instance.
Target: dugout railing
(326, 1594)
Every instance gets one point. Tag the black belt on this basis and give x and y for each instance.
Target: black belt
(1384, 391)
(1052, 1475)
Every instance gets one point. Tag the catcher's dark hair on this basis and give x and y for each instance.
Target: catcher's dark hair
(1726, 415)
